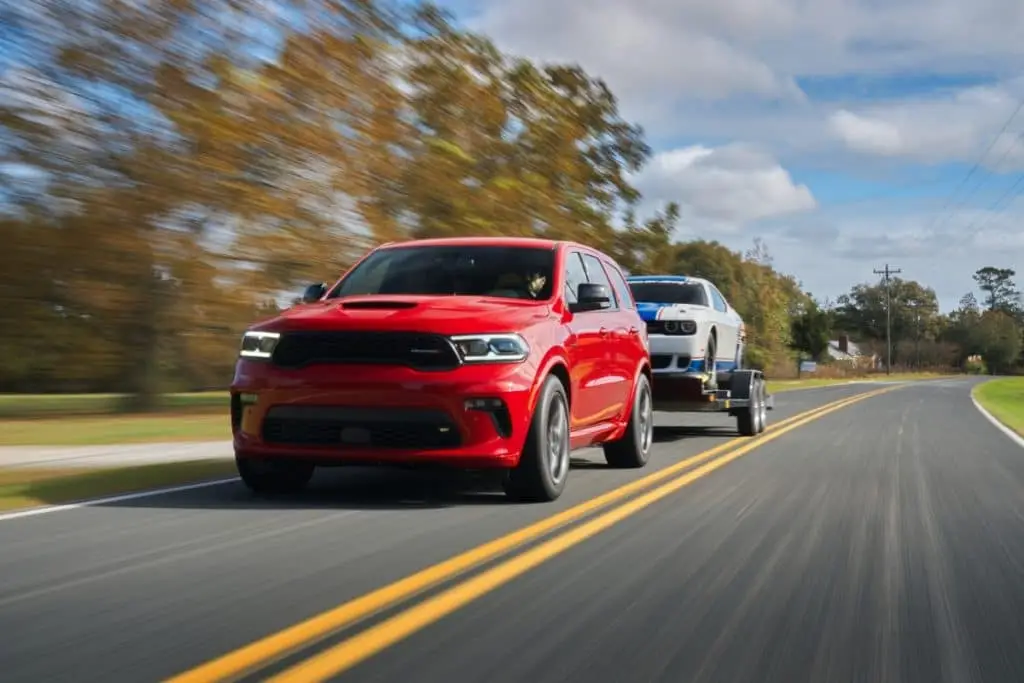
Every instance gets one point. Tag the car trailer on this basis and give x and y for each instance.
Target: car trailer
(746, 398)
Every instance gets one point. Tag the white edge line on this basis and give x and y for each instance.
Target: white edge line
(1014, 436)
(47, 509)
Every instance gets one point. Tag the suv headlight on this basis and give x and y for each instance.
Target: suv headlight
(491, 348)
(259, 344)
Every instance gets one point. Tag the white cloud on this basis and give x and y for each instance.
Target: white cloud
(648, 51)
(709, 48)
(834, 248)
(951, 126)
(729, 186)
(702, 75)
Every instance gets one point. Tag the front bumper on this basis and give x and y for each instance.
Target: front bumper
(676, 354)
(473, 417)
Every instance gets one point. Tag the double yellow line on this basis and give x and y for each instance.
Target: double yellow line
(369, 642)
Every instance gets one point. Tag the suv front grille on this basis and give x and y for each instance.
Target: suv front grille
(413, 349)
(341, 427)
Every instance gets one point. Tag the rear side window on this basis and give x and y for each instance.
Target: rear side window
(595, 271)
(719, 300)
(621, 289)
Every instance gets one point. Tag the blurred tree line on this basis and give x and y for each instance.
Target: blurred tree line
(170, 171)
(974, 336)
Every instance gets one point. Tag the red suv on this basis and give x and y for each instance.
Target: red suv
(470, 352)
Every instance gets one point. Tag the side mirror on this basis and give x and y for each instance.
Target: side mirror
(591, 297)
(314, 293)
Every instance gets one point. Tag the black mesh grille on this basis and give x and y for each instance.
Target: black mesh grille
(421, 351)
(660, 361)
(359, 428)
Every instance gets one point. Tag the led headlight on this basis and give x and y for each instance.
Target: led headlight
(258, 344)
(491, 348)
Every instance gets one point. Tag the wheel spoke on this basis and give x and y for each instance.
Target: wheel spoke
(646, 422)
(558, 441)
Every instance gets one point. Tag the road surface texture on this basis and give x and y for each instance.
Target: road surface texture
(881, 542)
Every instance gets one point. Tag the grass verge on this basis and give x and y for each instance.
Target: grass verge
(115, 429)
(31, 487)
(63, 405)
(1004, 398)
(781, 385)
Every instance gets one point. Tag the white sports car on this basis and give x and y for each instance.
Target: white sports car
(691, 326)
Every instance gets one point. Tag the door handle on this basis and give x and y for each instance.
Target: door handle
(633, 331)
(604, 332)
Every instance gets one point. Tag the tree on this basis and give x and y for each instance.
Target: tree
(649, 248)
(914, 316)
(1001, 294)
(998, 338)
(812, 330)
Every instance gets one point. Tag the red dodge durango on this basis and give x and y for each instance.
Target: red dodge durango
(496, 353)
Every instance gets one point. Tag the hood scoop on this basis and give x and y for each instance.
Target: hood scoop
(378, 305)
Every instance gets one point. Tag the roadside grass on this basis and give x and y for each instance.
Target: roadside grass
(31, 487)
(115, 429)
(93, 419)
(64, 405)
(781, 385)
(1004, 398)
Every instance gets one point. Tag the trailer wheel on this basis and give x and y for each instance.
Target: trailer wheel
(744, 386)
(762, 405)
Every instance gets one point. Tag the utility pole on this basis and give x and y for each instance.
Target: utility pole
(888, 316)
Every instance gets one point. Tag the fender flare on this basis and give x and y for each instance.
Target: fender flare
(554, 358)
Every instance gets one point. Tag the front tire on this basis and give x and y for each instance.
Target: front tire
(633, 450)
(543, 466)
(270, 477)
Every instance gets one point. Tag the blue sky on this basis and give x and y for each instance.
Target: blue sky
(840, 132)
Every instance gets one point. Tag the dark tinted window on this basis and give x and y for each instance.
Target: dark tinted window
(596, 274)
(510, 272)
(669, 293)
(575, 275)
(622, 292)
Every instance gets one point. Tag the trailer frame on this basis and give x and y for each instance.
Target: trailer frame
(746, 397)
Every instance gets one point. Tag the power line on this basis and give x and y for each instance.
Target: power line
(977, 165)
(975, 227)
(888, 272)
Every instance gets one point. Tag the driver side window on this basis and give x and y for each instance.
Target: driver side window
(575, 275)
(718, 300)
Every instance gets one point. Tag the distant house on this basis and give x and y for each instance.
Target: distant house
(845, 351)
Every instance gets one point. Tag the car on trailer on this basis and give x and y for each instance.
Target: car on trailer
(472, 353)
(697, 340)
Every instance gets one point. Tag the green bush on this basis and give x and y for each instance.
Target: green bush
(975, 367)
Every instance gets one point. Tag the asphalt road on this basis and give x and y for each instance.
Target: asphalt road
(882, 542)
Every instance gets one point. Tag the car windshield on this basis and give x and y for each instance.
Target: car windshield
(669, 293)
(498, 271)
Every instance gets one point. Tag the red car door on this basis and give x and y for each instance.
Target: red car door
(613, 378)
(586, 351)
(631, 344)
